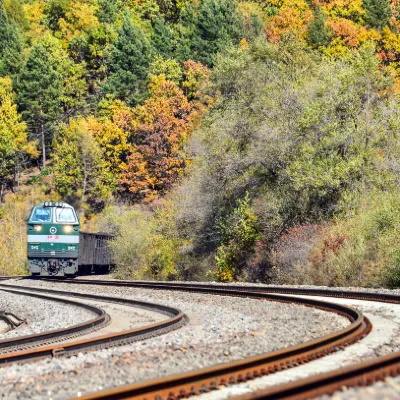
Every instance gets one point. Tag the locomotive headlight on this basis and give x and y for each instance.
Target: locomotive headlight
(38, 228)
(68, 228)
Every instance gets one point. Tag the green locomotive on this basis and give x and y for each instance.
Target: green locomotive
(56, 247)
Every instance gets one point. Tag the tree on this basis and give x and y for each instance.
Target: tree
(161, 129)
(218, 26)
(109, 10)
(54, 11)
(11, 44)
(162, 37)
(13, 138)
(90, 48)
(318, 33)
(378, 13)
(51, 88)
(79, 169)
(128, 62)
(169, 67)
(194, 75)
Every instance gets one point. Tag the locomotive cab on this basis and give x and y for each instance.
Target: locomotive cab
(53, 240)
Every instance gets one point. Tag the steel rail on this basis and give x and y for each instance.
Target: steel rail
(23, 342)
(360, 374)
(207, 379)
(356, 295)
(176, 320)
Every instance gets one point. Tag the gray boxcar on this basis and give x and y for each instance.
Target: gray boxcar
(94, 253)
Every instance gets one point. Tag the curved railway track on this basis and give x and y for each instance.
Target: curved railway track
(21, 350)
(21, 343)
(210, 378)
(185, 385)
(202, 381)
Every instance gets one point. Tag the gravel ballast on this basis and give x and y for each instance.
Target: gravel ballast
(40, 315)
(220, 329)
(387, 340)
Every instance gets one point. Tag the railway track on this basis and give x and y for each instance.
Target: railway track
(24, 343)
(211, 378)
(32, 347)
(203, 381)
(197, 382)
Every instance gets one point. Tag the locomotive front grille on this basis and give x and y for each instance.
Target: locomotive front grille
(52, 254)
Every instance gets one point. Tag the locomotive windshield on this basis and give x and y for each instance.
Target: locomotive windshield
(65, 215)
(41, 215)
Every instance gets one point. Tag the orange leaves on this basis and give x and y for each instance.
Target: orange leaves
(347, 30)
(161, 127)
(136, 177)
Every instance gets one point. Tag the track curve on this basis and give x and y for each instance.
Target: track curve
(210, 378)
(176, 319)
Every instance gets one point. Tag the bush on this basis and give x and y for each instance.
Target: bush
(360, 250)
(239, 233)
(141, 247)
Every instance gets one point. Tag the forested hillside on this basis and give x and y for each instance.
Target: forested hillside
(217, 139)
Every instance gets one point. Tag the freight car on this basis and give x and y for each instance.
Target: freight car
(56, 247)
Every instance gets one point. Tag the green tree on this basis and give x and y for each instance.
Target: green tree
(218, 27)
(90, 49)
(109, 10)
(239, 233)
(378, 13)
(162, 37)
(11, 44)
(51, 88)
(128, 62)
(79, 171)
(318, 33)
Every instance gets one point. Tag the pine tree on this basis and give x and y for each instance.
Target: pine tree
(219, 26)
(11, 44)
(128, 62)
(318, 33)
(378, 13)
(162, 38)
(50, 87)
(109, 10)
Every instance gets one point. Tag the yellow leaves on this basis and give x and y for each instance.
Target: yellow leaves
(111, 138)
(351, 9)
(391, 41)
(34, 14)
(294, 16)
(244, 44)
(12, 130)
(13, 214)
(122, 116)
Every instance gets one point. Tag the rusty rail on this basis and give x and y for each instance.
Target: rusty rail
(176, 320)
(202, 381)
(184, 385)
(29, 341)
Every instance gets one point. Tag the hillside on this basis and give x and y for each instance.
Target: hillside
(217, 139)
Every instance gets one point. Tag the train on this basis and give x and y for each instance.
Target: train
(58, 248)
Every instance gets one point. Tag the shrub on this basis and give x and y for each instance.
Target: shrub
(239, 233)
(360, 250)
